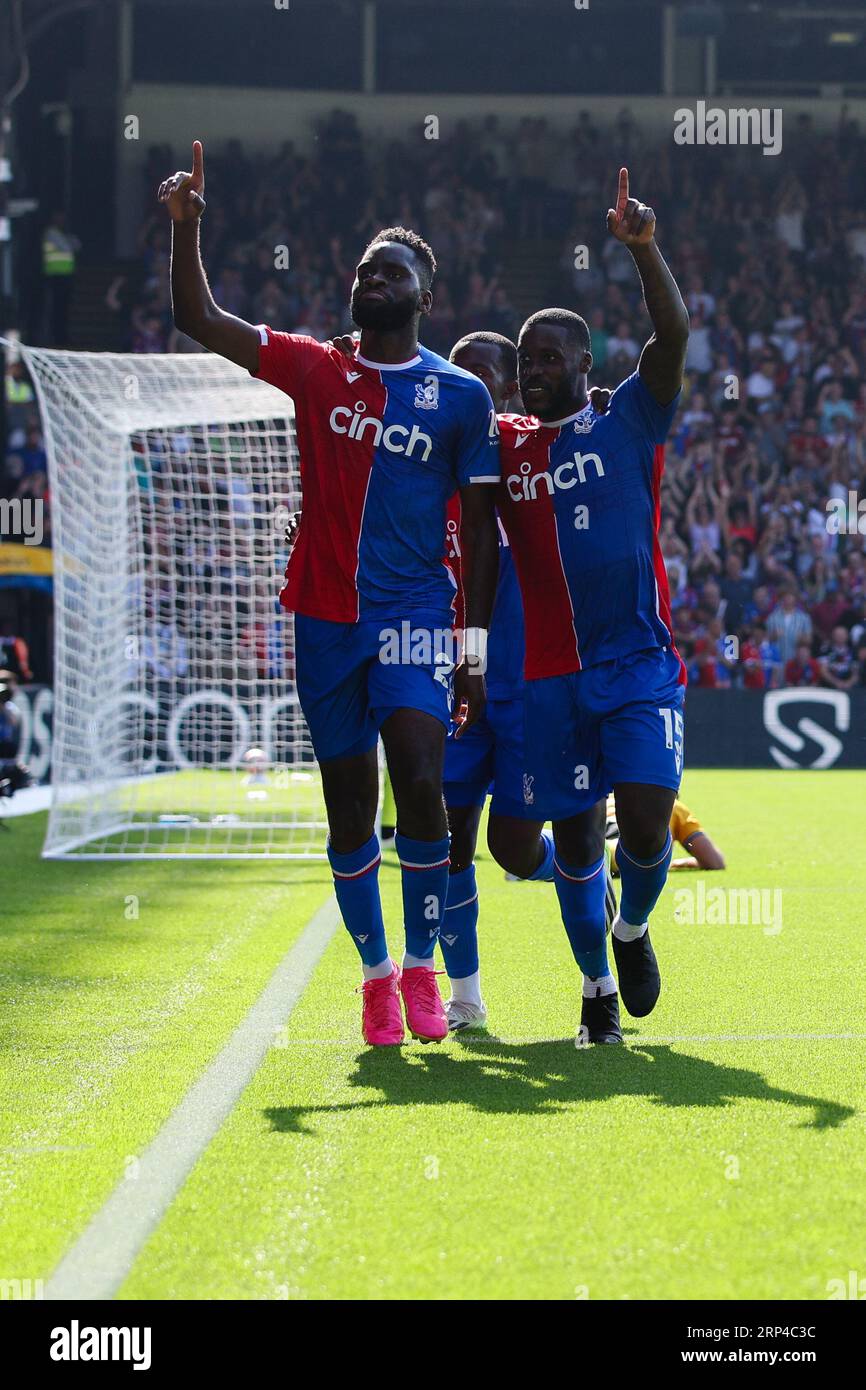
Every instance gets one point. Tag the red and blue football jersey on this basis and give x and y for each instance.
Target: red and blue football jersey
(382, 449)
(580, 502)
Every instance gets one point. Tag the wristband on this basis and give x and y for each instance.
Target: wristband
(475, 648)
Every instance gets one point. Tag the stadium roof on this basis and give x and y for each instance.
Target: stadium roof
(689, 10)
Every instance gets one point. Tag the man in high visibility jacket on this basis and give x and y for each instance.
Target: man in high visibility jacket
(19, 398)
(58, 270)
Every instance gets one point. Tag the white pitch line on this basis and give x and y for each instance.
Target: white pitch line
(474, 1036)
(749, 1037)
(99, 1261)
(638, 1040)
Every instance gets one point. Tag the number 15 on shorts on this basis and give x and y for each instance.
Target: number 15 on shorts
(673, 724)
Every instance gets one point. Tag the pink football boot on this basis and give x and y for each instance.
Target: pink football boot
(381, 1015)
(425, 1012)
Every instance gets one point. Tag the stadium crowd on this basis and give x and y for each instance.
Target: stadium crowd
(767, 458)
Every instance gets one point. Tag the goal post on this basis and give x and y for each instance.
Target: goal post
(177, 728)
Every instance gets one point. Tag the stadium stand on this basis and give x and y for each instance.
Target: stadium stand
(771, 434)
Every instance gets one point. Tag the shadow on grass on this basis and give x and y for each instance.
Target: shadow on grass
(497, 1077)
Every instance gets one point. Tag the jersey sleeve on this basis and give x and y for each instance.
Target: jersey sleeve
(683, 823)
(286, 358)
(478, 442)
(636, 404)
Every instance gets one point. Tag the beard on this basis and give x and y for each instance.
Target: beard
(384, 316)
(558, 404)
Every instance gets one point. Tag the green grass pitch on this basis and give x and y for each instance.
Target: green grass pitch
(720, 1154)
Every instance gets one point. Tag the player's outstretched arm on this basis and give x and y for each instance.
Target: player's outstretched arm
(703, 854)
(195, 312)
(663, 358)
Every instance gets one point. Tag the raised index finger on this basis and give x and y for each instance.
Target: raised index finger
(622, 194)
(197, 160)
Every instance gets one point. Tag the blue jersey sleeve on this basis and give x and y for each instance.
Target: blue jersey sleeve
(636, 404)
(477, 443)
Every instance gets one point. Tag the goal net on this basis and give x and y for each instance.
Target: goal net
(177, 728)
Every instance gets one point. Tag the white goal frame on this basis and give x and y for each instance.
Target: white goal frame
(177, 729)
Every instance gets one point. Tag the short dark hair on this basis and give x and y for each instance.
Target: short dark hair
(576, 328)
(422, 252)
(507, 349)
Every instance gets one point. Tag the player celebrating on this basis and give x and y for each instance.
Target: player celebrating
(604, 691)
(489, 758)
(384, 440)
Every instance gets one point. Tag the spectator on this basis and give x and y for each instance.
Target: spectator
(270, 305)
(33, 456)
(59, 249)
(704, 532)
(675, 554)
(736, 593)
(704, 670)
(10, 718)
(772, 425)
(150, 335)
(19, 396)
(751, 660)
(789, 626)
(838, 662)
(503, 316)
(771, 658)
(827, 613)
(14, 654)
(802, 669)
(622, 351)
(723, 647)
(833, 407)
(696, 418)
(699, 355)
